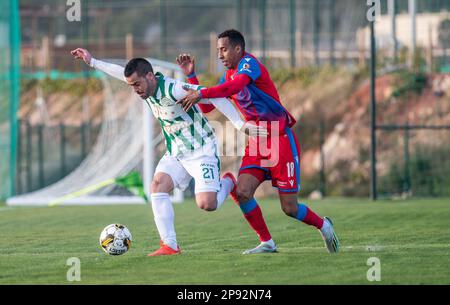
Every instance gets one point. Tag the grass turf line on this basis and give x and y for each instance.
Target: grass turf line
(411, 239)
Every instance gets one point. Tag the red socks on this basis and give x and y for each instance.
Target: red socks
(306, 215)
(254, 216)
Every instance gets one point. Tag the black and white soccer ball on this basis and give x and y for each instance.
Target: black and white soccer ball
(115, 239)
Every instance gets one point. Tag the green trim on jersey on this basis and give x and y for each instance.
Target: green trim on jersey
(160, 85)
(184, 132)
(167, 136)
(170, 92)
(218, 162)
(185, 141)
(196, 118)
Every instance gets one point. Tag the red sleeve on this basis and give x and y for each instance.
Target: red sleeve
(193, 80)
(228, 88)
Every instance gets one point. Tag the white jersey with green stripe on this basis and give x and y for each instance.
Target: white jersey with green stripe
(184, 132)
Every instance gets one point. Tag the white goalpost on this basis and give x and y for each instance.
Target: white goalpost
(126, 142)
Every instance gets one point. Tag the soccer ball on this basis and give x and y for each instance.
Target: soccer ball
(115, 239)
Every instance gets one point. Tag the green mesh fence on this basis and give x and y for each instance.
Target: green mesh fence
(9, 93)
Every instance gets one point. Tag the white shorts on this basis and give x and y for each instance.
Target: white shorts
(205, 169)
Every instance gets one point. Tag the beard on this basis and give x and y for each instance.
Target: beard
(146, 94)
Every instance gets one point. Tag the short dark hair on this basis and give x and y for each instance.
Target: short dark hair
(139, 65)
(235, 37)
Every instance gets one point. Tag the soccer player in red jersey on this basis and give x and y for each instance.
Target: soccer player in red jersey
(247, 82)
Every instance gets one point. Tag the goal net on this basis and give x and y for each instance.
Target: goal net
(126, 142)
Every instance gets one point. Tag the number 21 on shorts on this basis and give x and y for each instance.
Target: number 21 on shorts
(208, 173)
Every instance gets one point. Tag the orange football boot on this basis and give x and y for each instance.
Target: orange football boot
(165, 250)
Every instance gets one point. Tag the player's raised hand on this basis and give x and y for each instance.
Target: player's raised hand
(254, 130)
(80, 53)
(186, 63)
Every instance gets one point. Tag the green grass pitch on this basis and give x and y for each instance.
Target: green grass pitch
(410, 238)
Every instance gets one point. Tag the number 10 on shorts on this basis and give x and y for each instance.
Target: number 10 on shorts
(290, 169)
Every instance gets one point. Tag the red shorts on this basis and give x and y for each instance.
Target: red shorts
(274, 158)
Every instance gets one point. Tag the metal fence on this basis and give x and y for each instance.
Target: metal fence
(282, 33)
(415, 167)
(46, 154)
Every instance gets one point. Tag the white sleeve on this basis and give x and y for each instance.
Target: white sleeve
(222, 104)
(113, 70)
(225, 106)
(179, 89)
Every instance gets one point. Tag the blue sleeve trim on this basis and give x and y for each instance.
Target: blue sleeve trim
(254, 166)
(267, 177)
(250, 67)
(287, 190)
(295, 153)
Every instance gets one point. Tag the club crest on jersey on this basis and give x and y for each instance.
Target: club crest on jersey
(165, 102)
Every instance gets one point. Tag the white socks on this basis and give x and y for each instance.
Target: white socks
(164, 218)
(225, 189)
(270, 243)
(164, 215)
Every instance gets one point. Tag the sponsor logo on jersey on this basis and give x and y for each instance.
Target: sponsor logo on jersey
(176, 127)
(189, 87)
(165, 102)
(246, 67)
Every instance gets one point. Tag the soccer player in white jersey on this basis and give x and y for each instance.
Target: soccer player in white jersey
(190, 142)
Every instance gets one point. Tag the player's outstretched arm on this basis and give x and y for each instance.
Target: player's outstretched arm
(180, 90)
(113, 70)
(226, 89)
